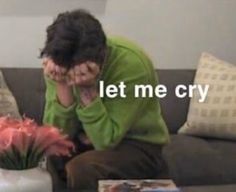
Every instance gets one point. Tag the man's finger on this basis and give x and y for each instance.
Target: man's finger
(51, 66)
(45, 61)
(94, 68)
(88, 77)
(83, 68)
(57, 69)
(63, 70)
(71, 75)
(51, 76)
(78, 79)
(70, 82)
(76, 70)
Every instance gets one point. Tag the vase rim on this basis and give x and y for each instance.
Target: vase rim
(15, 170)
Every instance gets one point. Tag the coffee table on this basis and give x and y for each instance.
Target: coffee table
(214, 188)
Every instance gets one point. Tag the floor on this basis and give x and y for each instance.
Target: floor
(219, 188)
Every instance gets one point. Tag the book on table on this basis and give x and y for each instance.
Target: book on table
(137, 186)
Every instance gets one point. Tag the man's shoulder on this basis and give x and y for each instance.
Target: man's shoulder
(126, 60)
(126, 49)
(124, 44)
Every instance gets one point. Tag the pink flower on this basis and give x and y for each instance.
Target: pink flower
(48, 137)
(6, 138)
(22, 141)
(60, 148)
(6, 122)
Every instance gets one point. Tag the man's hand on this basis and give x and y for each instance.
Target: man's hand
(54, 71)
(64, 91)
(84, 75)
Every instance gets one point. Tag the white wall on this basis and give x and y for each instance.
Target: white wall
(173, 32)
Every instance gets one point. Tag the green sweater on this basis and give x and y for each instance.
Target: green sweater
(107, 121)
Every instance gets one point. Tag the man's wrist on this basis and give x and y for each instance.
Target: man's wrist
(87, 95)
(64, 94)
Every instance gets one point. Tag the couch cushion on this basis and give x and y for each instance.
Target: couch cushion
(195, 161)
(174, 109)
(27, 86)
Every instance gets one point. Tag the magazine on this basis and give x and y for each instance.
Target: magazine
(137, 186)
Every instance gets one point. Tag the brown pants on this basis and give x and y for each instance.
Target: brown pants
(129, 160)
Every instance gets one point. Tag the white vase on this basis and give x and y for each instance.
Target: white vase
(29, 180)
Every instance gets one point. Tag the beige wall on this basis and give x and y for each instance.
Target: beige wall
(174, 32)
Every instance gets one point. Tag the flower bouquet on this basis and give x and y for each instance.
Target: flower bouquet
(23, 143)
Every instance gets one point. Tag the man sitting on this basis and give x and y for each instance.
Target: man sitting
(127, 133)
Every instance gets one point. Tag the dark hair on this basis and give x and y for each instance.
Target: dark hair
(75, 37)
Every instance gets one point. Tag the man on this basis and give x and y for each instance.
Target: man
(127, 133)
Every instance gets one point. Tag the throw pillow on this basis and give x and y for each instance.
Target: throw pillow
(8, 105)
(216, 117)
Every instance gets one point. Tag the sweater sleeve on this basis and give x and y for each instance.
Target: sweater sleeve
(57, 115)
(106, 121)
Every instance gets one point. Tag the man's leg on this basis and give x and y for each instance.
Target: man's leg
(130, 160)
(56, 165)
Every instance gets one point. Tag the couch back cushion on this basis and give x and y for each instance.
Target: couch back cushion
(27, 85)
(175, 109)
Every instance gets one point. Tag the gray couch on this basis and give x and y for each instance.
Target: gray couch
(207, 163)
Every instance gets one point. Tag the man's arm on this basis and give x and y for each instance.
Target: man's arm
(60, 107)
(106, 121)
(56, 114)
(64, 94)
